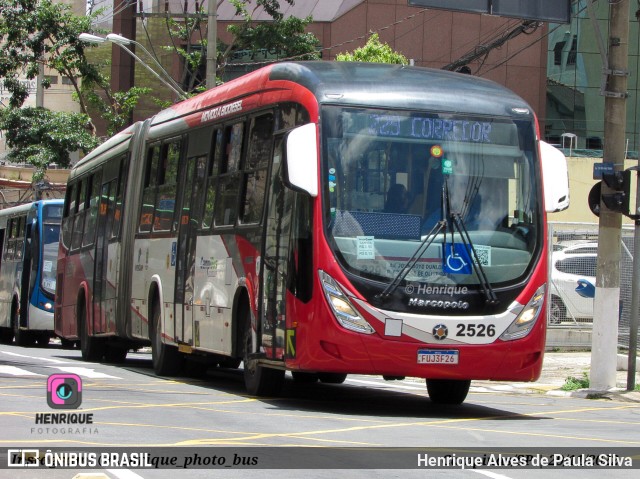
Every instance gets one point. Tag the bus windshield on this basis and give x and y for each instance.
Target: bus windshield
(391, 176)
(51, 217)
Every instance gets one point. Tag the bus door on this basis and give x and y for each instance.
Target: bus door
(101, 296)
(275, 262)
(29, 266)
(190, 219)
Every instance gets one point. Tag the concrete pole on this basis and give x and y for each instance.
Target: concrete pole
(606, 307)
(635, 298)
(212, 34)
(123, 64)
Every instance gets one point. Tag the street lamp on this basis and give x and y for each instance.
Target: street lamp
(122, 42)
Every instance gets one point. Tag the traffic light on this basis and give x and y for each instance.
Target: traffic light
(620, 182)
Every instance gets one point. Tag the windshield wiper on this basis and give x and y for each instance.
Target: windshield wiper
(458, 223)
(424, 245)
(489, 294)
(442, 225)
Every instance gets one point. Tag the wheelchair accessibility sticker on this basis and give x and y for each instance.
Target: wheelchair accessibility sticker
(456, 260)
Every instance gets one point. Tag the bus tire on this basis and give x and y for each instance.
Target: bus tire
(22, 337)
(92, 349)
(167, 360)
(43, 340)
(259, 380)
(332, 378)
(448, 391)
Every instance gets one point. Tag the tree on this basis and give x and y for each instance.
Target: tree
(374, 51)
(282, 38)
(39, 137)
(35, 33)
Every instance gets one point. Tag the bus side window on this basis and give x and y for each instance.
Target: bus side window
(212, 179)
(91, 214)
(229, 182)
(290, 115)
(69, 211)
(118, 210)
(2, 247)
(19, 246)
(255, 168)
(78, 220)
(167, 186)
(149, 192)
(10, 242)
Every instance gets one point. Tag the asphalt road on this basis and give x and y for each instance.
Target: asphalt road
(131, 408)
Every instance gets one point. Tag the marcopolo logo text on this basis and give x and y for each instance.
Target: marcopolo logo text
(221, 111)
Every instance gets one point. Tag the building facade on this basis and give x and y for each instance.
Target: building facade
(575, 105)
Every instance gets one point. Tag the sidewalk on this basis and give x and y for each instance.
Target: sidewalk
(557, 367)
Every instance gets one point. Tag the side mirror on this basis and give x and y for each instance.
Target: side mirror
(301, 159)
(555, 178)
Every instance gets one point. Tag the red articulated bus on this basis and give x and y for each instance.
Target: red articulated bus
(324, 218)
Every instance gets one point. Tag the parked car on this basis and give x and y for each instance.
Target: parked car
(573, 271)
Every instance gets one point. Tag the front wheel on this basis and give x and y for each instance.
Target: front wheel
(448, 391)
(259, 380)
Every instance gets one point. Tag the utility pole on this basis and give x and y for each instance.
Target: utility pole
(212, 34)
(606, 308)
(123, 64)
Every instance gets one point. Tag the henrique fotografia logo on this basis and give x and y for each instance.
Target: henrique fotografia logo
(64, 391)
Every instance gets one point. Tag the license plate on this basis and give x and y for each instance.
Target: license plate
(437, 356)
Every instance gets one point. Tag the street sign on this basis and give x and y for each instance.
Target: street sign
(602, 168)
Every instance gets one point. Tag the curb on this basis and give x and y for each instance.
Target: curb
(618, 394)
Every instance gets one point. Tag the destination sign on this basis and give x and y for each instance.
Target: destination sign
(430, 128)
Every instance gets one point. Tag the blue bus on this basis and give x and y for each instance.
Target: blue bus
(29, 237)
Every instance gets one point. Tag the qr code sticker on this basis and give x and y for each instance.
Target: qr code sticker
(484, 254)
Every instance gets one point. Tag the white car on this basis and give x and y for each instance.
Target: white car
(573, 271)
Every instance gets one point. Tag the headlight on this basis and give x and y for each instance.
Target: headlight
(343, 310)
(527, 317)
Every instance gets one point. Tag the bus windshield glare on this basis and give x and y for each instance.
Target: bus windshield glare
(391, 176)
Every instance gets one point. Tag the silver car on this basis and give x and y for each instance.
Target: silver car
(573, 271)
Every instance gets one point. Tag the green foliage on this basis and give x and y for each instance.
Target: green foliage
(374, 51)
(271, 7)
(285, 38)
(39, 136)
(116, 115)
(35, 33)
(573, 383)
(280, 38)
